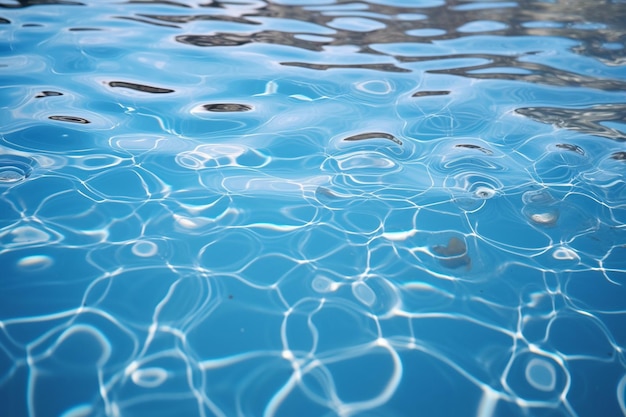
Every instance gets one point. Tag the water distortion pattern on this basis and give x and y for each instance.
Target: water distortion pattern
(312, 208)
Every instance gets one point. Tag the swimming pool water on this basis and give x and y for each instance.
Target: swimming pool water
(312, 208)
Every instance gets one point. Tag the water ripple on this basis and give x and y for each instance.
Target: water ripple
(14, 169)
(312, 208)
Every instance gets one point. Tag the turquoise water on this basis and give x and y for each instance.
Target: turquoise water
(312, 208)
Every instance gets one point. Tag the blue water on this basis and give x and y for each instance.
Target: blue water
(312, 208)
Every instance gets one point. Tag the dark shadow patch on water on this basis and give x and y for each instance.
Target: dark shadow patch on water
(476, 147)
(194, 18)
(619, 156)
(373, 135)
(84, 29)
(430, 93)
(571, 148)
(136, 19)
(454, 254)
(238, 39)
(28, 3)
(140, 87)
(591, 27)
(323, 67)
(48, 94)
(227, 107)
(162, 2)
(586, 120)
(498, 68)
(221, 39)
(324, 192)
(70, 119)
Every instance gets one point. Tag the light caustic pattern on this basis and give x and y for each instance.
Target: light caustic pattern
(396, 211)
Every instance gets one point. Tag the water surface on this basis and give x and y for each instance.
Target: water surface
(312, 208)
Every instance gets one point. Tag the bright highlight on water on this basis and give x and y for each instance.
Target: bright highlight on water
(312, 208)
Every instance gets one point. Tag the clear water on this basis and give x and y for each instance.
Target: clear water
(319, 208)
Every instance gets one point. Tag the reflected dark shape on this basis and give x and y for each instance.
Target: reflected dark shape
(454, 254)
(163, 2)
(222, 39)
(587, 120)
(566, 20)
(533, 72)
(570, 147)
(377, 67)
(619, 156)
(326, 192)
(70, 119)
(140, 87)
(180, 19)
(4, 21)
(471, 146)
(14, 169)
(596, 28)
(481, 5)
(48, 94)
(137, 19)
(84, 29)
(237, 39)
(374, 135)
(227, 107)
(430, 93)
(31, 25)
(28, 3)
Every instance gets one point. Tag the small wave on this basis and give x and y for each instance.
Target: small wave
(15, 169)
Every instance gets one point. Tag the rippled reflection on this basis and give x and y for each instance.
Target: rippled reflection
(312, 208)
(594, 120)
(14, 168)
(48, 94)
(140, 87)
(227, 107)
(69, 119)
(453, 254)
(374, 135)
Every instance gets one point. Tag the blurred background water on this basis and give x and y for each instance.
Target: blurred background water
(387, 208)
